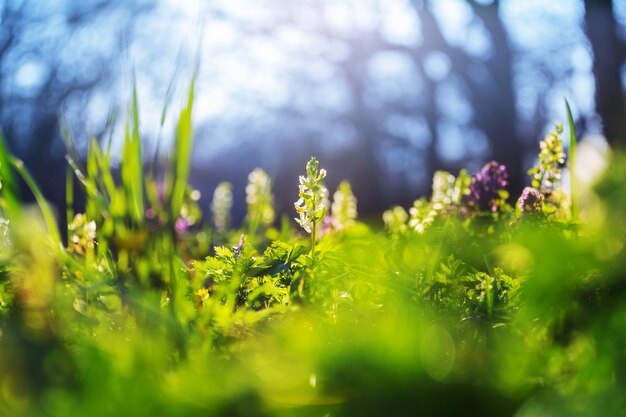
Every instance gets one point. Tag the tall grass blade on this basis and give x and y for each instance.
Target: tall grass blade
(132, 165)
(69, 195)
(183, 148)
(572, 162)
(45, 208)
(68, 139)
(164, 112)
(92, 203)
(103, 160)
(10, 188)
(90, 186)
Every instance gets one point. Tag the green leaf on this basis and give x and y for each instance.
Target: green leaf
(69, 195)
(272, 267)
(10, 188)
(223, 252)
(46, 210)
(572, 162)
(104, 165)
(132, 165)
(295, 252)
(183, 148)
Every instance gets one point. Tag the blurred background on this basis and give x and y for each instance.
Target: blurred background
(383, 92)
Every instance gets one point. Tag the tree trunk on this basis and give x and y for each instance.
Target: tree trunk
(609, 54)
(494, 100)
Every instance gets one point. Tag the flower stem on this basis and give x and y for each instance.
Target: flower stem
(313, 238)
(314, 228)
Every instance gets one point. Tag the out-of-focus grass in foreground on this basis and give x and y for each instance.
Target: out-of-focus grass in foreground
(464, 305)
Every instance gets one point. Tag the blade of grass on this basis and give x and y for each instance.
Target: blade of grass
(168, 99)
(95, 200)
(184, 144)
(110, 127)
(88, 183)
(572, 162)
(69, 195)
(45, 208)
(92, 203)
(137, 166)
(104, 165)
(132, 165)
(10, 188)
(68, 139)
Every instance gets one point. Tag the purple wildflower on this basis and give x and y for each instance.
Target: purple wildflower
(328, 225)
(487, 187)
(237, 249)
(150, 213)
(182, 225)
(530, 200)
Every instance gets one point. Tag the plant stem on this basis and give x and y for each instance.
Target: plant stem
(314, 228)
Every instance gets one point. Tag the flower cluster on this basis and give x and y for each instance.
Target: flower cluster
(344, 206)
(547, 173)
(221, 206)
(259, 199)
(190, 212)
(313, 202)
(449, 191)
(443, 190)
(82, 235)
(422, 215)
(5, 234)
(395, 219)
(487, 189)
(530, 200)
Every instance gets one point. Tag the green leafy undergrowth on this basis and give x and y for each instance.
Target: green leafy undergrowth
(463, 305)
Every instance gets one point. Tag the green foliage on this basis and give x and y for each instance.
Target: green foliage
(10, 192)
(456, 309)
(572, 162)
(183, 148)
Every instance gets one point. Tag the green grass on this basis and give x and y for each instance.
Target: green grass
(470, 306)
(572, 161)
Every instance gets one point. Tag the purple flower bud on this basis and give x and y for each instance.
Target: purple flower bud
(181, 225)
(328, 225)
(530, 200)
(237, 249)
(486, 187)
